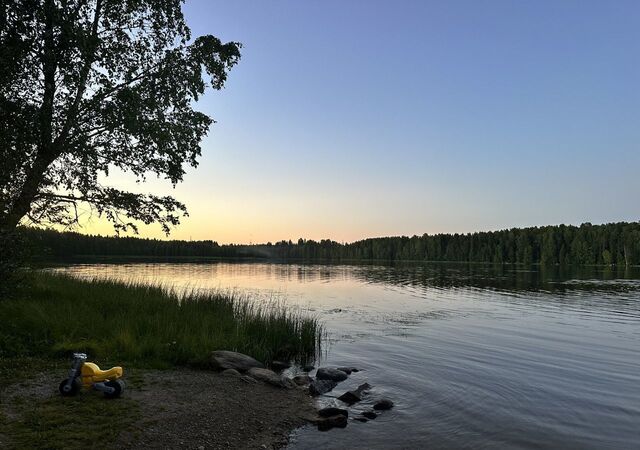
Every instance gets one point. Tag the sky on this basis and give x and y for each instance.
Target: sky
(348, 119)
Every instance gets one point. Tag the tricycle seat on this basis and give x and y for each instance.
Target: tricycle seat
(91, 373)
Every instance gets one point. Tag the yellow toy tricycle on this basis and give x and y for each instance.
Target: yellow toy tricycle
(89, 375)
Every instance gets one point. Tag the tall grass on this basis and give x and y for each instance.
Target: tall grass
(147, 325)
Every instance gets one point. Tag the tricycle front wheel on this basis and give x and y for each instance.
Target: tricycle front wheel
(69, 389)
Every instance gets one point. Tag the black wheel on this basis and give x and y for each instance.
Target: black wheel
(69, 389)
(117, 385)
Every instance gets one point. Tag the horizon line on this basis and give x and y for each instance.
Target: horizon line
(295, 241)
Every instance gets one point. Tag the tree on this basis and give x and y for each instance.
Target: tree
(89, 86)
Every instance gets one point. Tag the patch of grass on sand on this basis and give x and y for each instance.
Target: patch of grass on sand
(20, 368)
(146, 326)
(84, 421)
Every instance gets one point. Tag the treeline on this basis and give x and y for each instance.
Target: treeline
(49, 243)
(615, 243)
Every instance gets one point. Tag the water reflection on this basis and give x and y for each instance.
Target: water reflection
(561, 285)
(473, 355)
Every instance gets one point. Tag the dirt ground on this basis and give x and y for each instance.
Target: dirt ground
(160, 409)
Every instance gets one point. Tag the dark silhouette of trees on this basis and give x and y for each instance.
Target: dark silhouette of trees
(614, 243)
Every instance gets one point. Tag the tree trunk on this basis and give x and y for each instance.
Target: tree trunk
(46, 154)
(21, 206)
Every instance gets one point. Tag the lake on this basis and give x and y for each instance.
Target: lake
(473, 356)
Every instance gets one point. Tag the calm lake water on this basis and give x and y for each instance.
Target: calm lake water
(473, 356)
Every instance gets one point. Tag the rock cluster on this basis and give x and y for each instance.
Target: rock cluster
(351, 397)
(233, 364)
(302, 380)
(270, 377)
(223, 359)
(383, 404)
(325, 373)
(331, 418)
(319, 387)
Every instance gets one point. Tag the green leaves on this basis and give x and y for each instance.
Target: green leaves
(86, 86)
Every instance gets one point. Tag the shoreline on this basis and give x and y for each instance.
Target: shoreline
(160, 409)
(172, 399)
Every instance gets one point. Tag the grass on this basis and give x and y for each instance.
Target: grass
(146, 326)
(135, 325)
(86, 421)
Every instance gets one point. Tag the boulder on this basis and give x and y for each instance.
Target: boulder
(231, 373)
(325, 373)
(308, 368)
(319, 387)
(348, 370)
(331, 411)
(223, 359)
(369, 415)
(287, 383)
(326, 423)
(361, 419)
(279, 366)
(270, 377)
(383, 404)
(351, 397)
(302, 380)
(248, 379)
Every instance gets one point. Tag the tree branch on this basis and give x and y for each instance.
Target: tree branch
(49, 67)
(72, 112)
(104, 95)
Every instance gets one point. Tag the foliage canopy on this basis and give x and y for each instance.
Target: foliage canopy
(89, 86)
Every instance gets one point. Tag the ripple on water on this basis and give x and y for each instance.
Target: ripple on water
(473, 356)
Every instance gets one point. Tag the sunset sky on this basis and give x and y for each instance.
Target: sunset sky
(348, 119)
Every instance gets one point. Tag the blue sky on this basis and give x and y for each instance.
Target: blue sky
(349, 119)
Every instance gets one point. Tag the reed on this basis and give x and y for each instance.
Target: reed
(149, 326)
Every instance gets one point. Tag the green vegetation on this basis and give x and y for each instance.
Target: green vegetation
(147, 326)
(81, 422)
(615, 243)
(138, 326)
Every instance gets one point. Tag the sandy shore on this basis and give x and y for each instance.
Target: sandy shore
(173, 409)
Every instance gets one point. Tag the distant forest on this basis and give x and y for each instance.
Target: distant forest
(615, 243)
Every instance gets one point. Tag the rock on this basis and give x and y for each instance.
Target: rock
(370, 415)
(302, 380)
(325, 373)
(361, 419)
(308, 368)
(330, 411)
(319, 387)
(383, 404)
(248, 379)
(348, 370)
(223, 359)
(279, 366)
(288, 383)
(326, 423)
(351, 397)
(270, 377)
(231, 373)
